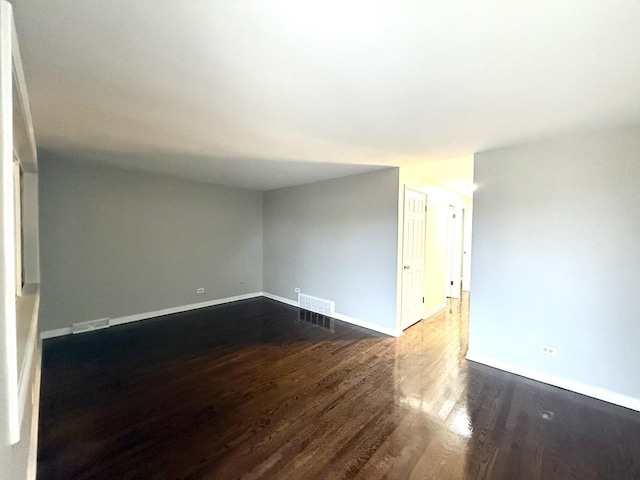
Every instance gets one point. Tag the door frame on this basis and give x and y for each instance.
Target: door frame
(404, 325)
(455, 249)
(19, 360)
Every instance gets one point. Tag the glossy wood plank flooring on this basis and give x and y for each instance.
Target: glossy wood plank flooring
(249, 390)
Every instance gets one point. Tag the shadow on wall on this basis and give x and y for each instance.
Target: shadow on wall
(241, 172)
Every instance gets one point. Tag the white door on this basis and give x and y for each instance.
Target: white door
(454, 248)
(413, 288)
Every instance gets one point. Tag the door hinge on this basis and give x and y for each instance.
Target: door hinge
(425, 208)
(422, 299)
(452, 283)
(454, 215)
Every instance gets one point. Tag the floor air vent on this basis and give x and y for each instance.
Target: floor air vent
(89, 326)
(315, 304)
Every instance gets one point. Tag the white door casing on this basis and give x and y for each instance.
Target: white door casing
(413, 273)
(454, 252)
(18, 161)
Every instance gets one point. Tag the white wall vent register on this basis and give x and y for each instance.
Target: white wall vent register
(315, 304)
(89, 326)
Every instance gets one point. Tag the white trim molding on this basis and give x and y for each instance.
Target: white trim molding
(434, 311)
(25, 379)
(427, 316)
(277, 298)
(58, 332)
(392, 332)
(339, 316)
(185, 308)
(565, 383)
(32, 464)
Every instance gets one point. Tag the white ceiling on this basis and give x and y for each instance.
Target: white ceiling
(198, 88)
(454, 173)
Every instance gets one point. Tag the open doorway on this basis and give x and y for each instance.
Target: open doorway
(447, 190)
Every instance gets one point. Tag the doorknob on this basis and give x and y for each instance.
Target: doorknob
(407, 267)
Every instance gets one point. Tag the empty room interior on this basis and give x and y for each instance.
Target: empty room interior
(319, 240)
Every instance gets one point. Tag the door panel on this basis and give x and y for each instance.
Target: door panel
(413, 288)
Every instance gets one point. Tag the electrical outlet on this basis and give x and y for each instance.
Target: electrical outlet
(297, 290)
(543, 349)
(200, 290)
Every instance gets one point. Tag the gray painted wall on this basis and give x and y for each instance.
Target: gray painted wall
(117, 242)
(337, 240)
(556, 258)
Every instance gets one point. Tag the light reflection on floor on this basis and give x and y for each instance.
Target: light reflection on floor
(316, 319)
(458, 422)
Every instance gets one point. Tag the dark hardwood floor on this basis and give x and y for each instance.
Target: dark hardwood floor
(249, 390)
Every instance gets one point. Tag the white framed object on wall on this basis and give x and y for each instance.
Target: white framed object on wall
(19, 249)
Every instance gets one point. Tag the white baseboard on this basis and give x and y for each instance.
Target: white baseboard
(277, 298)
(184, 308)
(339, 316)
(58, 332)
(434, 310)
(426, 316)
(392, 332)
(572, 385)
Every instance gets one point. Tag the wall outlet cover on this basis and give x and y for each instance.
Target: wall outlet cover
(545, 350)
